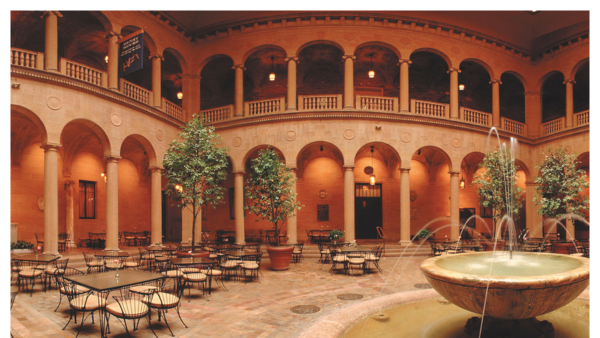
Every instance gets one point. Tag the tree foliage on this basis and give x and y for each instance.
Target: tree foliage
(269, 192)
(195, 166)
(559, 185)
(497, 184)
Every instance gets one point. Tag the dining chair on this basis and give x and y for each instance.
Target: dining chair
(436, 249)
(161, 261)
(381, 235)
(84, 302)
(146, 258)
(129, 238)
(28, 273)
(166, 298)
(358, 261)
(297, 253)
(374, 257)
(54, 269)
(250, 264)
(39, 238)
(114, 263)
(131, 306)
(63, 240)
(338, 258)
(214, 274)
(63, 290)
(93, 263)
(325, 253)
(230, 267)
(192, 275)
(132, 263)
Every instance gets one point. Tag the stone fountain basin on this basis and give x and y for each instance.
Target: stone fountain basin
(528, 286)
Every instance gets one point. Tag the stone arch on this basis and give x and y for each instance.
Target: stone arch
(25, 127)
(108, 25)
(578, 66)
(518, 76)
(432, 157)
(384, 152)
(257, 48)
(83, 135)
(381, 44)
(434, 51)
(148, 40)
(252, 153)
(318, 42)
(318, 149)
(130, 149)
(483, 64)
(182, 62)
(540, 83)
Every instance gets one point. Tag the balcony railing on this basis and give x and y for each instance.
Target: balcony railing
(172, 109)
(553, 126)
(428, 108)
(377, 103)
(82, 72)
(25, 58)
(512, 126)
(475, 117)
(581, 118)
(264, 107)
(319, 102)
(136, 92)
(217, 114)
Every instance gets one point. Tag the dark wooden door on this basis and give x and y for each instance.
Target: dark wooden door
(367, 210)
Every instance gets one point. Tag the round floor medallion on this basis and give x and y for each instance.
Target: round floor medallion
(305, 309)
(350, 296)
(423, 286)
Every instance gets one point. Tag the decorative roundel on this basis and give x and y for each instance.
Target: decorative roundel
(369, 170)
(237, 141)
(322, 193)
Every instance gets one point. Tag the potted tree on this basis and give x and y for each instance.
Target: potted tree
(195, 166)
(497, 189)
(270, 196)
(558, 189)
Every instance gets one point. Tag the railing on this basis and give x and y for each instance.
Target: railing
(217, 114)
(377, 103)
(512, 126)
(82, 72)
(581, 119)
(263, 107)
(475, 117)
(429, 108)
(26, 58)
(320, 102)
(136, 92)
(172, 109)
(553, 126)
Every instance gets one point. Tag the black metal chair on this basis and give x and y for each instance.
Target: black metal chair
(60, 282)
(93, 263)
(131, 306)
(192, 275)
(56, 268)
(297, 253)
(166, 298)
(436, 249)
(28, 273)
(84, 302)
(251, 265)
(324, 252)
(374, 257)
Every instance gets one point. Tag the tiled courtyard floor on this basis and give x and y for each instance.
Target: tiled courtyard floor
(253, 309)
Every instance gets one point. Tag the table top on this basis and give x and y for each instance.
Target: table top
(358, 248)
(243, 253)
(188, 261)
(107, 281)
(112, 254)
(34, 257)
(161, 248)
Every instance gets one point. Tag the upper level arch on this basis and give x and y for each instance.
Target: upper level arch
(315, 150)
(83, 135)
(434, 51)
(320, 42)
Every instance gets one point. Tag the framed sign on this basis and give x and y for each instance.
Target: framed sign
(322, 212)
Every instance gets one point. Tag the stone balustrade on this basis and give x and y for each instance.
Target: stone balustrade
(433, 109)
(475, 117)
(553, 126)
(513, 127)
(82, 72)
(377, 103)
(263, 107)
(319, 102)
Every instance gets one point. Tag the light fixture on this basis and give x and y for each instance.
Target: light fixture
(371, 71)
(321, 148)
(461, 87)
(104, 176)
(106, 59)
(180, 95)
(179, 188)
(272, 75)
(372, 177)
(462, 180)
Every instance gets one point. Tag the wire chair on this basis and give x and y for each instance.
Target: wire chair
(131, 306)
(61, 281)
(84, 302)
(92, 262)
(57, 268)
(28, 273)
(192, 275)
(297, 253)
(166, 298)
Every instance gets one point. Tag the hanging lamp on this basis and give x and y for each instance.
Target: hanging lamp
(372, 177)
(371, 71)
(272, 74)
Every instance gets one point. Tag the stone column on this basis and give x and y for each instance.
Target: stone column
(113, 61)
(454, 206)
(349, 203)
(51, 41)
(349, 85)
(69, 222)
(404, 86)
(570, 229)
(496, 102)
(533, 220)
(292, 225)
(454, 92)
(404, 207)
(533, 113)
(238, 206)
(50, 197)
(569, 104)
(156, 205)
(156, 79)
(239, 90)
(291, 83)
(112, 203)
(191, 95)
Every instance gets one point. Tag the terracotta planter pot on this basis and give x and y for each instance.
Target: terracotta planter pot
(489, 245)
(280, 257)
(181, 254)
(561, 247)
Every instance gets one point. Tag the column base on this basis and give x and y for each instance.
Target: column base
(406, 243)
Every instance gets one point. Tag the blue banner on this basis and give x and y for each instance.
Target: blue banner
(131, 54)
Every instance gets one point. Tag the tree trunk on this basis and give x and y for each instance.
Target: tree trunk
(194, 216)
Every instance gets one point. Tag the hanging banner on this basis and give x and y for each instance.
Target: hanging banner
(131, 53)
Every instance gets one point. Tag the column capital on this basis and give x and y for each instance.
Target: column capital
(348, 167)
(238, 172)
(113, 33)
(569, 81)
(496, 81)
(156, 169)
(454, 173)
(453, 69)
(154, 56)
(191, 76)
(48, 13)
(50, 146)
(292, 58)
(532, 93)
(533, 184)
(238, 66)
(404, 170)
(110, 159)
(401, 61)
(353, 57)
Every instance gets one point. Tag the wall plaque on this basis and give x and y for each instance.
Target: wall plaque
(322, 212)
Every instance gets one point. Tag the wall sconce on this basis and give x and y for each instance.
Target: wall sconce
(272, 74)
(106, 59)
(461, 87)
(372, 177)
(180, 95)
(371, 71)
(104, 176)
